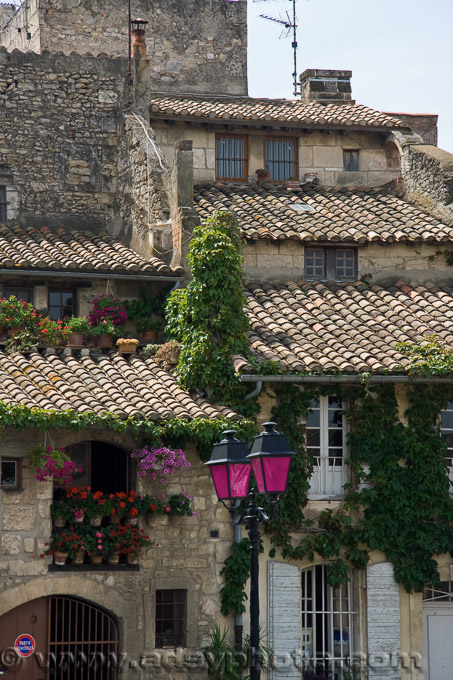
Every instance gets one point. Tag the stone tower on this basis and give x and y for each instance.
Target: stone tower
(194, 46)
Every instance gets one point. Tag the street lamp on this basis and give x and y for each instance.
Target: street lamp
(231, 466)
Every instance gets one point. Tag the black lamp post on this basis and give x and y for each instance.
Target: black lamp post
(231, 466)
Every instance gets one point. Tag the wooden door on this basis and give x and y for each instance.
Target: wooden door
(31, 618)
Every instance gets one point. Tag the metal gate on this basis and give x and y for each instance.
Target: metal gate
(83, 641)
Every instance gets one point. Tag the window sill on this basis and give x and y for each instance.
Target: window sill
(94, 567)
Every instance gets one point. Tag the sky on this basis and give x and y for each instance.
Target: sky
(400, 52)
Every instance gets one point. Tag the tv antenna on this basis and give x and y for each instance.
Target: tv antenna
(289, 26)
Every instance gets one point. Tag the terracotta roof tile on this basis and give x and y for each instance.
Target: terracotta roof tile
(128, 386)
(264, 212)
(27, 248)
(348, 327)
(272, 110)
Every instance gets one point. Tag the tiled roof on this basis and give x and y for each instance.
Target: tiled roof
(293, 111)
(347, 327)
(90, 381)
(27, 248)
(359, 216)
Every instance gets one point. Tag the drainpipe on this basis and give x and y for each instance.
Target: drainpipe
(324, 379)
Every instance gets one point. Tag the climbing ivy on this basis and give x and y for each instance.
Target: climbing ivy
(207, 317)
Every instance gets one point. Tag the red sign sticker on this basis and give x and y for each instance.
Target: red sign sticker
(25, 645)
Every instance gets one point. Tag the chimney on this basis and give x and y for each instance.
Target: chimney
(141, 63)
(326, 85)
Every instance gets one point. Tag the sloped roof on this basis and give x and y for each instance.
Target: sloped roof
(248, 109)
(347, 327)
(29, 248)
(90, 381)
(266, 211)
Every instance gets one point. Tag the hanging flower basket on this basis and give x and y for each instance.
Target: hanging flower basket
(159, 463)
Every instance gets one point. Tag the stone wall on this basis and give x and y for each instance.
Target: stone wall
(377, 263)
(318, 153)
(186, 556)
(428, 179)
(58, 135)
(194, 45)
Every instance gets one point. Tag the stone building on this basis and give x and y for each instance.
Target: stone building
(106, 165)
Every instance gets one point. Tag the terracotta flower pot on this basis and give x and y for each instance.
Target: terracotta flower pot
(148, 336)
(60, 558)
(59, 522)
(132, 520)
(113, 559)
(127, 348)
(105, 341)
(79, 557)
(96, 521)
(132, 558)
(75, 340)
(95, 558)
(11, 332)
(114, 519)
(78, 519)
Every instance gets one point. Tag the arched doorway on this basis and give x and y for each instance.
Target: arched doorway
(75, 640)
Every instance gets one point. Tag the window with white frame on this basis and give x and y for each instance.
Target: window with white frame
(327, 623)
(446, 429)
(326, 443)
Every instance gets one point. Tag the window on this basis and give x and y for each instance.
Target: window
(281, 158)
(351, 161)
(20, 292)
(326, 443)
(171, 618)
(61, 303)
(327, 621)
(442, 592)
(11, 473)
(334, 264)
(2, 204)
(104, 467)
(446, 429)
(231, 158)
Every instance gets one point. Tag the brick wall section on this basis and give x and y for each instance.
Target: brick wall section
(58, 135)
(428, 179)
(194, 45)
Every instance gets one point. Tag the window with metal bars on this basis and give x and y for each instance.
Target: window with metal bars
(231, 162)
(2, 204)
(281, 158)
(326, 443)
(327, 625)
(332, 264)
(446, 429)
(171, 618)
(441, 592)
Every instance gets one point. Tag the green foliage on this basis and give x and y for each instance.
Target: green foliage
(146, 311)
(428, 357)
(207, 317)
(226, 662)
(236, 572)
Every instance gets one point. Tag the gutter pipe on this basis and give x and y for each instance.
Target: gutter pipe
(91, 275)
(373, 379)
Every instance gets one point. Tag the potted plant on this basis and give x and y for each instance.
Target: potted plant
(77, 326)
(78, 501)
(146, 312)
(15, 314)
(135, 541)
(108, 308)
(159, 462)
(98, 505)
(50, 332)
(117, 507)
(53, 463)
(96, 544)
(168, 354)
(105, 331)
(65, 544)
(61, 512)
(262, 174)
(127, 345)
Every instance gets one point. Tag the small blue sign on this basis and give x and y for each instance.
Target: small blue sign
(25, 645)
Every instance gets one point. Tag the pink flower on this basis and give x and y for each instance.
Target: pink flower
(98, 534)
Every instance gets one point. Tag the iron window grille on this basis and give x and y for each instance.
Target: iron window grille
(2, 204)
(441, 592)
(171, 618)
(351, 160)
(333, 264)
(281, 158)
(231, 161)
(327, 624)
(326, 443)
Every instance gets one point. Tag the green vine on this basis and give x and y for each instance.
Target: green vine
(207, 317)
(175, 432)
